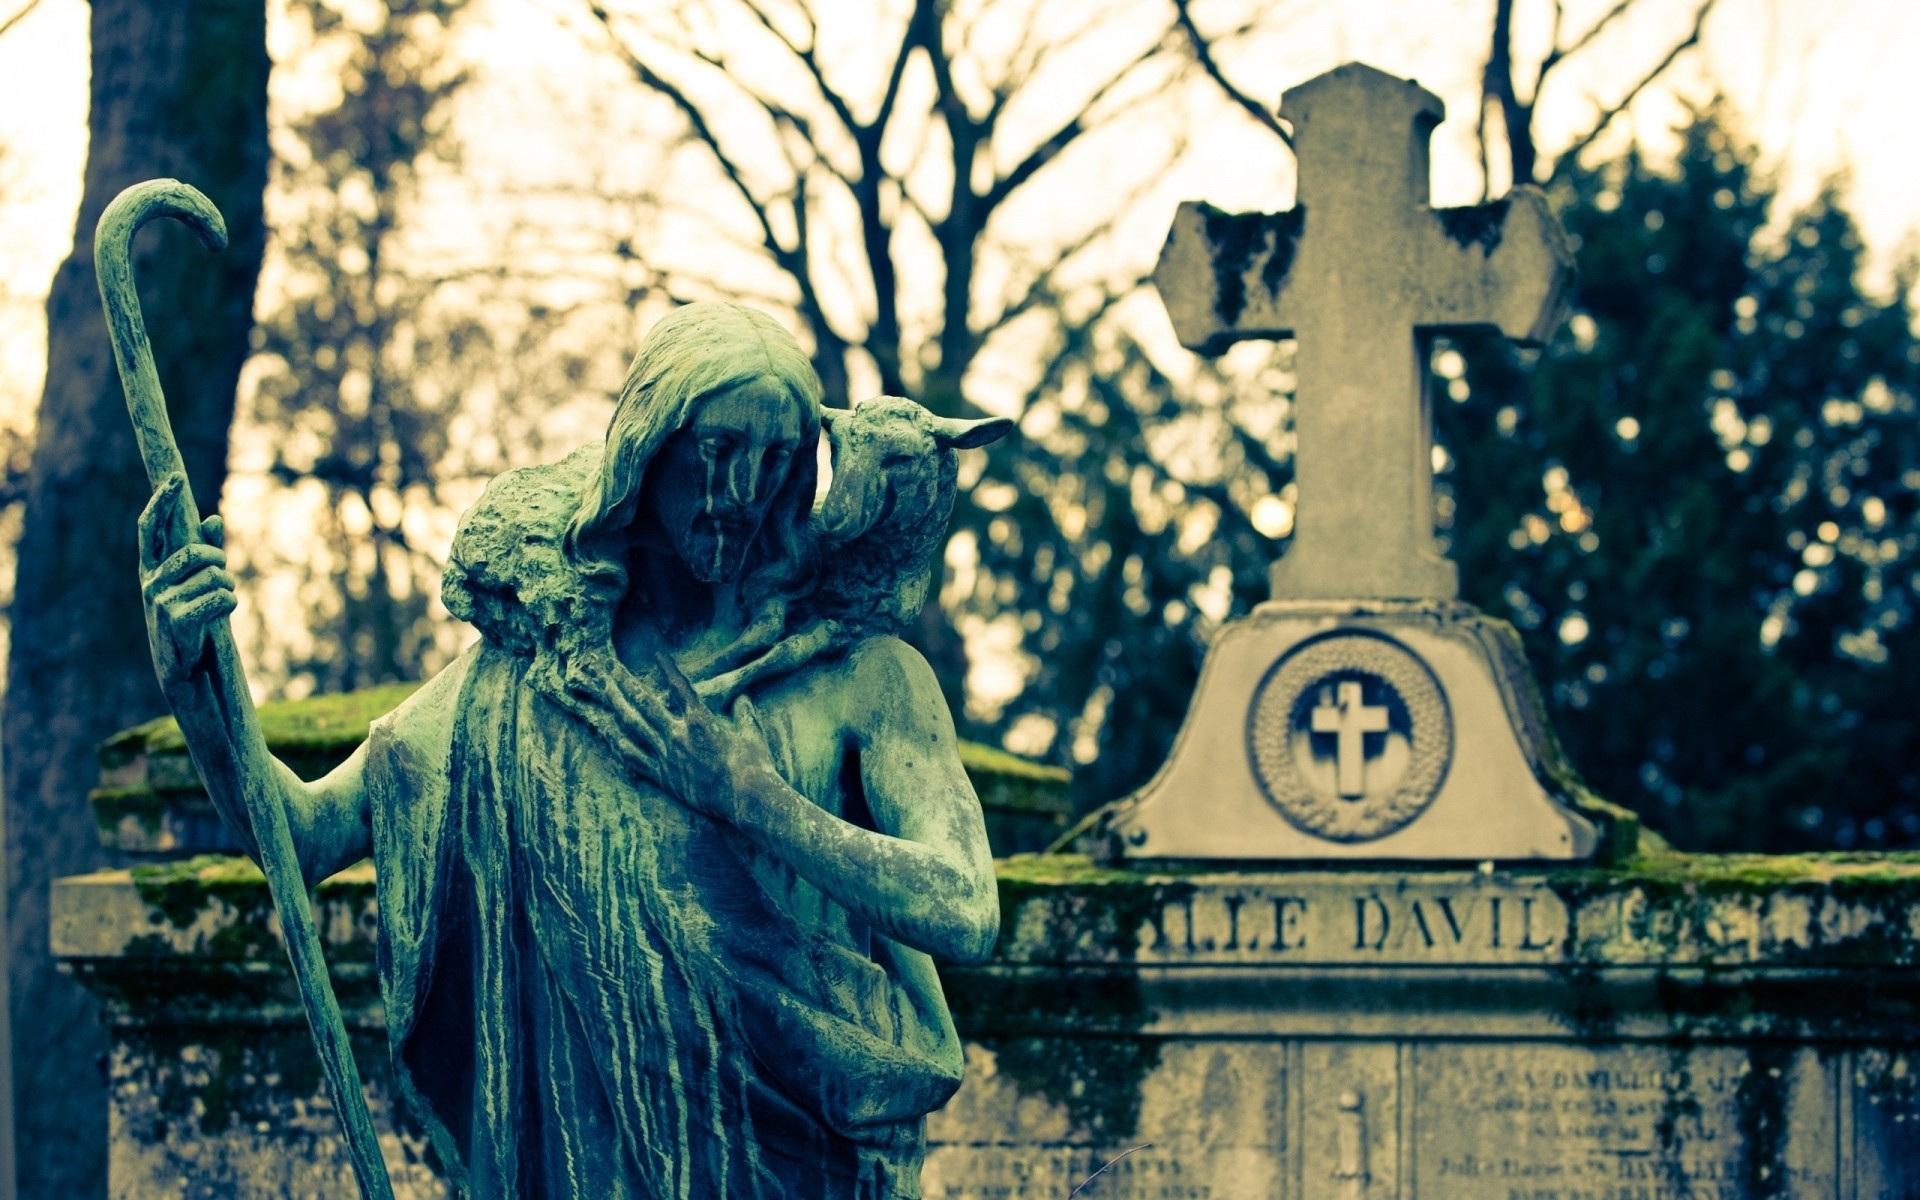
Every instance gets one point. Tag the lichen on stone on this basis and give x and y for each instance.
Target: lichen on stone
(1476, 225)
(1235, 239)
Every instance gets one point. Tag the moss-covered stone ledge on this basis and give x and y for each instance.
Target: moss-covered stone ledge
(198, 942)
(1663, 946)
(215, 1088)
(1647, 930)
(1751, 990)
(150, 801)
(1668, 909)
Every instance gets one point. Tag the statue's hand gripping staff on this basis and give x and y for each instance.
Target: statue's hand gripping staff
(236, 769)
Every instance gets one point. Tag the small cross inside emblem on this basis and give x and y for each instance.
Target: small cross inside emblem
(1344, 713)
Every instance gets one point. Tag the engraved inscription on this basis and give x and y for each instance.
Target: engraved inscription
(1625, 1122)
(1330, 922)
(1051, 1172)
(1034, 1119)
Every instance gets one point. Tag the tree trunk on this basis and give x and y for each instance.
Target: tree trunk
(179, 89)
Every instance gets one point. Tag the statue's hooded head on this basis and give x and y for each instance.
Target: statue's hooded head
(714, 434)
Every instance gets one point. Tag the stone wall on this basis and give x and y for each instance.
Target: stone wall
(1709, 1028)
(1672, 1027)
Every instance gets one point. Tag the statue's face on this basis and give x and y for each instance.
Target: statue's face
(713, 481)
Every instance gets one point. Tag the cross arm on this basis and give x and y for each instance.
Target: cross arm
(1222, 275)
(1507, 264)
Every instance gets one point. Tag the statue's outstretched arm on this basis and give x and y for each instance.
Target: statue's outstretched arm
(186, 589)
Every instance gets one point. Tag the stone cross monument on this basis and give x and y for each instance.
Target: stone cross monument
(1363, 712)
(1357, 270)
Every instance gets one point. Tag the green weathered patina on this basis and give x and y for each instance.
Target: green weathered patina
(662, 861)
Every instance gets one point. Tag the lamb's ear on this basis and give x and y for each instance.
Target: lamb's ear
(829, 415)
(950, 433)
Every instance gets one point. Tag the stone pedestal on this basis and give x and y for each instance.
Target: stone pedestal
(1725, 1028)
(1676, 1026)
(1364, 731)
(216, 1089)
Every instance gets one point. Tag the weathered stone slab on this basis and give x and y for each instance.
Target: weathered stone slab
(1451, 1120)
(241, 1112)
(1164, 1120)
(1728, 1015)
(1546, 1120)
(1880, 1126)
(1364, 732)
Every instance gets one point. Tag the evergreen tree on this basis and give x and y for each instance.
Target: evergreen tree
(1107, 541)
(1699, 507)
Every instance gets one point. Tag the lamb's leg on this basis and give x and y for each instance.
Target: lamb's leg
(765, 629)
(787, 654)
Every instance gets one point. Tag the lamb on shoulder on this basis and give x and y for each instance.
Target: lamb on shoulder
(880, 527)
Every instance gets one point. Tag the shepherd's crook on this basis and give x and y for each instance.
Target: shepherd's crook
(242, 765)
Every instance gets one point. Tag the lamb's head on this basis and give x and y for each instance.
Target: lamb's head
(894, 465)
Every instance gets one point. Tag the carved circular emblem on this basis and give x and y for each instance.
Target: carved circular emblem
(1350, 736)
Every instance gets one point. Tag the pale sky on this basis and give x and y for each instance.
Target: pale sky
(1824, 85)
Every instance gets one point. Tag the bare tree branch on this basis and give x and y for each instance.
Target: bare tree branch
(1065, 135)
(792, 261)
(1572, 153)
(892, 93)
(16, 18)
(1584, 40)
(702, 130)
(809, 59)
(1040, 288)
(1027, 58)
(1203, 54)
(1497, 87)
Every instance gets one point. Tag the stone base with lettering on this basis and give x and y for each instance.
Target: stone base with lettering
(1379, 730)
(1672, 1028)
(1678, 1028)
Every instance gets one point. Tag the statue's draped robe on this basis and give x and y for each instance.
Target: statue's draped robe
(594, 993)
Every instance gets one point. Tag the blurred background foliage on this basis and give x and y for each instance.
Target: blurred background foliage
(1697, 504)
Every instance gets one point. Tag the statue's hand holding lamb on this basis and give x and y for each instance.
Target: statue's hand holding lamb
(709, 763)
